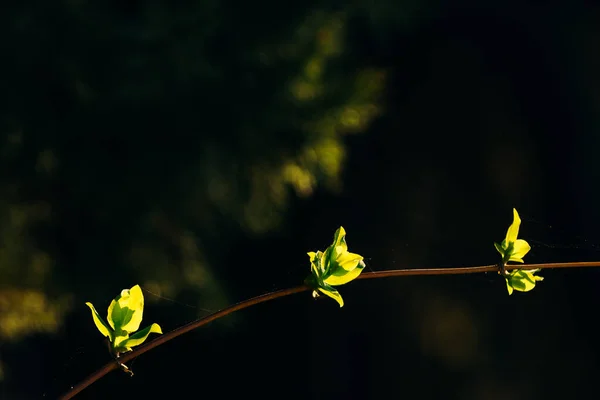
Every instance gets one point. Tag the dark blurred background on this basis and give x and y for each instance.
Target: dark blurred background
(201, 148)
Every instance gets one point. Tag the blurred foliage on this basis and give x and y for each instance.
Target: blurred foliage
(25, 311)
(24, 270)
(139, 135)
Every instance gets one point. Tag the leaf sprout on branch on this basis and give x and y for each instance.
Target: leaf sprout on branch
(333, 267)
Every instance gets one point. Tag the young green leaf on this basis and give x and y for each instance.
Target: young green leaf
(126, 311)
(333, 267)
(522, 280)
(330, 292)
(316, 264)
(511, 248)
(140, 337)
(120, 337)
(99, 322)
(342, 276)
(124, 317)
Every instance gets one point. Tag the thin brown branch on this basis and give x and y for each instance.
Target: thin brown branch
(472, 270)
(111, 366)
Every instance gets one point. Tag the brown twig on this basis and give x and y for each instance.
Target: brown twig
(111, 366)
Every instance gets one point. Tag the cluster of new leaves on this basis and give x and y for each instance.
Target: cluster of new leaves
(333, 267)
(513, 249)
(337, 266)
(124, 318)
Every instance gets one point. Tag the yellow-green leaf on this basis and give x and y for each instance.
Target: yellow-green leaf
(335, 266)
(348, 261)
(500, 249)
(126, 311)
(520, 249)
(100, 324)
(140, 337)
(339, 240)
(531, 274)
(511, 248)
(120, 337)
(522, 280)
(334, 294)
(342, 276)
(510, 289)
(316, 263)
(513, 230)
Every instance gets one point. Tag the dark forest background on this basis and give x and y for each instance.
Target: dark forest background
(201, 148)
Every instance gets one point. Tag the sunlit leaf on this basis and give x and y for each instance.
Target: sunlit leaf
(509, 288)
(341, 277)
(520, 248)
(499, 248)
(513, 230)
(126, 311)
(120, 337)
(348, 261)
(522, 280)
(333, 293)
(124, 314)
(339, 241)
(511, 248)
(316, 260)
(100, 324)
(336, 266)
(140, 337)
